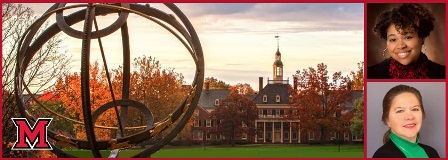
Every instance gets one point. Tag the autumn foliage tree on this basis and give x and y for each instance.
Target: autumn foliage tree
(46, 64)
(52, 101)
(215, 83)
(69, 92)
(357, 78)
(232, 113)
(242, 89)
(161, 90)
(319, 101)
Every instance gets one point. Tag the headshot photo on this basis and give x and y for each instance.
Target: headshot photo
(406, 41)
(406, 120)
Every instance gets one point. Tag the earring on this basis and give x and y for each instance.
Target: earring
(425, 49)
(384, 53)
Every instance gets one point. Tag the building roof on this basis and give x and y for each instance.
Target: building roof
(208, 98)
(250, 96)
(271, 91)
(355, 95)
(278, 63)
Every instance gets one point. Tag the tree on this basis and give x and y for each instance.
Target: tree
(46, 64)
(216, 84)
(53, 102)
(160, 90)
(357, 123)
(68, 90)
(242, 89)
(357, 78)
(319, 102)
(234, 112)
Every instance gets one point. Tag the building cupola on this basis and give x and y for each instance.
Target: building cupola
(278, 64)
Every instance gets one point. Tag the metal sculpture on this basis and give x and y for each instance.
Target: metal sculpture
(30, 43)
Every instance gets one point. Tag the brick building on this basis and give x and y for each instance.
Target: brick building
(273, 101)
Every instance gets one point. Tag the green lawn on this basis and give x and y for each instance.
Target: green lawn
(246, 151)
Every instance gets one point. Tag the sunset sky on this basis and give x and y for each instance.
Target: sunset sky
(239, 42)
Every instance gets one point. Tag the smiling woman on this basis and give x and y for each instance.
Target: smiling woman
(403, 113)
(411, 130)
(406, 30)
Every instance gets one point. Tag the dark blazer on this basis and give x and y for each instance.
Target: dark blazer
(390, 150)
(381, 70)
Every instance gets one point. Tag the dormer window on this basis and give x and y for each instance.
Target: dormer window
(277, 98)
(265, 98)
(196, 112)
(216, 102)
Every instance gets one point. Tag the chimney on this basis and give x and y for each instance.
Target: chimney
(207, 87)
(295, 79)
(260, 84)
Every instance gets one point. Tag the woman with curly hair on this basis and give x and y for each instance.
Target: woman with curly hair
(405, 29)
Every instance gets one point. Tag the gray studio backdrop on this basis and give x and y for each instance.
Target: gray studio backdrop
(433, 127)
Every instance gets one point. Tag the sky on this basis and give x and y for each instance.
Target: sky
(238, 40)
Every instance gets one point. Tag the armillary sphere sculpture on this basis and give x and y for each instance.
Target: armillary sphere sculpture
(30, 43)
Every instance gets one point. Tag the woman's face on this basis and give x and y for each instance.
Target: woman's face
(404, 47)
(405, 116)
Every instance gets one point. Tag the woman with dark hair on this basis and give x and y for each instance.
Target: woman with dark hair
(404, 29)
(403, 113)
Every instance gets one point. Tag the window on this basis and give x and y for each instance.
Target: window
(196, 112)
(310, 135)
(260, 135)
(197, 123)
(346, 136)
(209, 136)
(208, 123)
(260, 113)
(277, 113)
(269, 112)
(279, 71)
(265, 98)
(243, 124)
(277, 98)
(294, 135)
(356, 138)
(197, 135)
(244, 136)
(333, 135)
(290, 99)
(286, 135)
(216, 102)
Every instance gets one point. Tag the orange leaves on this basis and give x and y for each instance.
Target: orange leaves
(320, 101)
(159, 89)
(242, 89)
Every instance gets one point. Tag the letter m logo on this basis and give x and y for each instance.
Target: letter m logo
(31, 138)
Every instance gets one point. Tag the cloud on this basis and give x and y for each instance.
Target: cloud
(262, 17)
(200, 9)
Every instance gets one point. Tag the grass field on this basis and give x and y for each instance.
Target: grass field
(246, 151)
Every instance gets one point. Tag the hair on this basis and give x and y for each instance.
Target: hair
(390, 96)
(408, 17)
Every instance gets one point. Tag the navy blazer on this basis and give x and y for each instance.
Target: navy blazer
(390, 150)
